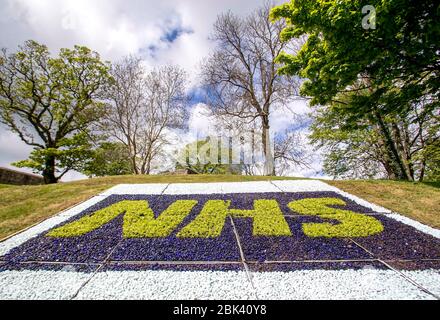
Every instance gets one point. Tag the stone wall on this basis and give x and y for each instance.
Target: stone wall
(8, 176)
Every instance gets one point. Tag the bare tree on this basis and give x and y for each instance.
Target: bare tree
(144, 105)
(289, 150)
(241, 75)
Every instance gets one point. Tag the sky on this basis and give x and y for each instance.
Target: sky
(162, 32)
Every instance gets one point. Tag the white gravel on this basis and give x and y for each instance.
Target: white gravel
(170, 285)
(221, 187)
(151, 188)
(39, 285)
(336, 285)
(302, 185)
(158, 285)
(428, 279)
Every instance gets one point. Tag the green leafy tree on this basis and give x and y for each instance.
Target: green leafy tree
(110, 159)
(361, 152)
(375, 75)
(354, 153)
(51, 104)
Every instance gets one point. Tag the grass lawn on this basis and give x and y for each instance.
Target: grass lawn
(23, 206)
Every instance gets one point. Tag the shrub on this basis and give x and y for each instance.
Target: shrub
(351, 224)
(268, 219)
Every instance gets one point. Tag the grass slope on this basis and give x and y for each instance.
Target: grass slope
(23, 206)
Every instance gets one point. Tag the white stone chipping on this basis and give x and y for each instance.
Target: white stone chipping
(428, 279)
(151, 188)
(336, 285)
(303, 284)
(221, 187)
(40, 285)
(168, 285)
(181, 285)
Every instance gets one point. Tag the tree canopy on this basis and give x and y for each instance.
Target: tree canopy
(109, 159)
(373, 78)
(399, 58)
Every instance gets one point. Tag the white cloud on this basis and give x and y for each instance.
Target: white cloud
(116, 27)
(200, 122)
(283, 117)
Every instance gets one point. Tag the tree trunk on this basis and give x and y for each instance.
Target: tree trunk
(134, 165)
(269, 166)
(422, 171)
(49, 170)
(391, 150)
(148, 167)
(383, 155)
(401, 151)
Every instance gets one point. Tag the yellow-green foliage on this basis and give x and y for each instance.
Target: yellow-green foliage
(95, 220)
(209, 223)
(268, 219)
(350, 224)
(143, 224)
(139, 220)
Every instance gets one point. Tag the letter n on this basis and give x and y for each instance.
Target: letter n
(139, 220)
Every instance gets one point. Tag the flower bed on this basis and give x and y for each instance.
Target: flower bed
(173, 239)
(213, 227)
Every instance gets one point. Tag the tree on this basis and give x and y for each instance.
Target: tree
(290, 151)
(51, 103)
(360, 151)
(206, 157)
(109, 159)
(368, 75)
(143, 106)
(241, 75)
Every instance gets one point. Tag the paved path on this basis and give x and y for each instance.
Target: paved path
(293, 239)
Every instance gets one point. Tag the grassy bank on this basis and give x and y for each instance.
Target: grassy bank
(23, 206)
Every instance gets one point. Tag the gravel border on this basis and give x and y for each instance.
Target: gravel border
(337, 285)
(41, 285)
(169, 285)
(191, 285)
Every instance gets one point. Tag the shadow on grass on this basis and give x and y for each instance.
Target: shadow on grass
(435, 184)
